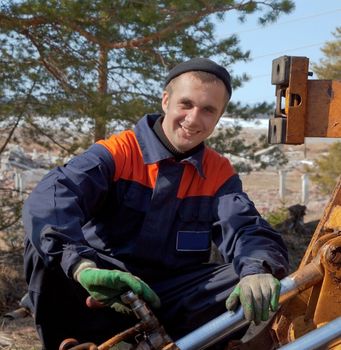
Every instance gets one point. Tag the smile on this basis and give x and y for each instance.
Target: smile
(189, 132)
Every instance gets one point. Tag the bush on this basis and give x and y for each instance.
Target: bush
(277, 216)
(327, 169)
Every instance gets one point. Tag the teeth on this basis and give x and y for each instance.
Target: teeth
(188, 131)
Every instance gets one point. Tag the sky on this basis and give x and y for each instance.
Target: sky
(301, 33)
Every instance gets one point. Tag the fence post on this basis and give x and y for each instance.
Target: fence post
(18, 186)
(282, 177)
(305, 189)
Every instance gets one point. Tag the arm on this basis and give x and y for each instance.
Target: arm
(65, 199)
(256, 249)
(244, 237)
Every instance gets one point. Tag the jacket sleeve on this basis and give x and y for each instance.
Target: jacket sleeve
(244, 237)
(64, 200)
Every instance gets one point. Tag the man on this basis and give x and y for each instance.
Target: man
(139, 211)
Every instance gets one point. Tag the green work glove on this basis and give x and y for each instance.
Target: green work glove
(106, 286)
(257, 294)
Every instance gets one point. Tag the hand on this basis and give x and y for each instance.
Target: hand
(106, 286)
(257, 294)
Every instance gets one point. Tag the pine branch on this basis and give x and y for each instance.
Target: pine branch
(48, 63)
(19, 117)
(40, 130)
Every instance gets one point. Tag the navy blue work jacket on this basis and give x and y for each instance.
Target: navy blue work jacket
(126, 203)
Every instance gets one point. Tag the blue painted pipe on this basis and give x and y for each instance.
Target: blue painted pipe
(213, 331)
(229, 322)
(317, 338)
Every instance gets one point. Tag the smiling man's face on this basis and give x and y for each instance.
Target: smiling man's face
(192, 109)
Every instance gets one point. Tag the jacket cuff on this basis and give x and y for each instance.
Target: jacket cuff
(73, 255)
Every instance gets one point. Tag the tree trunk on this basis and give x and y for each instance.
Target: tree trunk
(101, 110)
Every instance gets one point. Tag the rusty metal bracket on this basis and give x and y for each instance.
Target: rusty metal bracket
(304, 108)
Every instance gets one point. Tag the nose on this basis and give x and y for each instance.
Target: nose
(193, 116)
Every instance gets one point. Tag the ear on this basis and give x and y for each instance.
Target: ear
(165, 101)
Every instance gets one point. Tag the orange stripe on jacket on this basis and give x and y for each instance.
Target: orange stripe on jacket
(128, 158)
(129, 165)
(217, 170)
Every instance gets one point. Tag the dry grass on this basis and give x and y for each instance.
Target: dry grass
(18, 334)
(21, 335)
(12, 284)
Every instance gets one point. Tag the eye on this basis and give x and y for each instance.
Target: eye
(186, 104)
(209, 109)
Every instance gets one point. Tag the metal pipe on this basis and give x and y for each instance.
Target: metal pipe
(213, 331)
(229, 322)
(302, 279)
(317, 338)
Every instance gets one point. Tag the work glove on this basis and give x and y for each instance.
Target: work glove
(257, 294)
(106, 286)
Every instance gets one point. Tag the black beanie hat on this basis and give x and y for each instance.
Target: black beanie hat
(201, 64)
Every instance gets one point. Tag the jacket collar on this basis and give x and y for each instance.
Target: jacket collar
(154, 151)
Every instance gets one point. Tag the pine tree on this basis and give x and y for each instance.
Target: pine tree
(327, 169)
(330, 66)
(99, 60)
